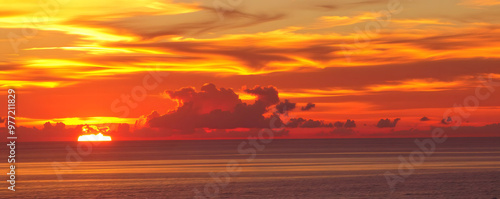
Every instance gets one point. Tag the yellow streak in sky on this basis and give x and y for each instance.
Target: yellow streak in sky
(16, 83)
(419, 85)
(76, 120)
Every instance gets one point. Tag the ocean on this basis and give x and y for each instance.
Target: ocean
(307, 168)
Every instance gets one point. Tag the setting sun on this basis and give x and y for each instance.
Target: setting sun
(94, 138)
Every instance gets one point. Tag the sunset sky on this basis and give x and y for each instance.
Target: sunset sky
(214, 68)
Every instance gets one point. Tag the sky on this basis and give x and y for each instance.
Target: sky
(220, 69)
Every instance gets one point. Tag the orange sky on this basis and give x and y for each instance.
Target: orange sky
(76, 62)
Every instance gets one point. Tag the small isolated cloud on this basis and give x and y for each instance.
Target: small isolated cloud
(387, 123)
(284, 107)
(424, 119)
(446, 121)
(309, 106)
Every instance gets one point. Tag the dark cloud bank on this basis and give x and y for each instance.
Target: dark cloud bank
(219, 113)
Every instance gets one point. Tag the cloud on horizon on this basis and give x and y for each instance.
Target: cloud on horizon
(348, 124)
(387, 123)
(424, 119)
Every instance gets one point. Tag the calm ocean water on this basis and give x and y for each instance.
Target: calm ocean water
(330, 168)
